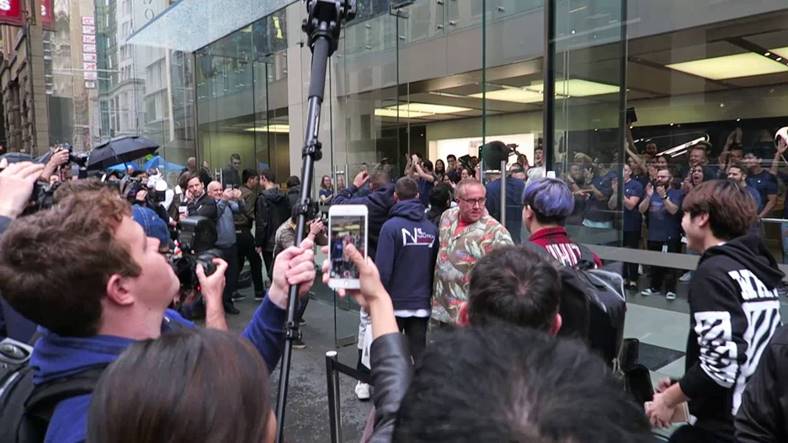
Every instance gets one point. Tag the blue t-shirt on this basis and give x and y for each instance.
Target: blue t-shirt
(765, 183)
(425, 186)
(784, 178)
(662, 225)
(597, 210)
(633, 219)
(755, 196)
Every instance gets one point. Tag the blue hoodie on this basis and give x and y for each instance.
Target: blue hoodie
(55, 357)
(407, 249)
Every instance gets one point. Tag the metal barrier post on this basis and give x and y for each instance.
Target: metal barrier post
(503, 193)
(332, 376)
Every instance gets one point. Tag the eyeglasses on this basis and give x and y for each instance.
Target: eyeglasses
(478, 201)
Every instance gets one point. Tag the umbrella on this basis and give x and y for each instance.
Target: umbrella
(119, 150)
(160, 163)
(15, 157)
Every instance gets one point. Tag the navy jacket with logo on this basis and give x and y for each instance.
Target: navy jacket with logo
(407, 249)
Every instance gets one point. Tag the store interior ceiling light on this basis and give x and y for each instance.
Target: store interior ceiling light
(731, 66)
(563, 88)
(417, 110)
(280, 129)
(782, 52)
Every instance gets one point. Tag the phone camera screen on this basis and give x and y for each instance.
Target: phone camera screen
(345, 230)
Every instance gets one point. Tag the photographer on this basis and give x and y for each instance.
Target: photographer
(198, 202)
(228, 203)
(106, 286)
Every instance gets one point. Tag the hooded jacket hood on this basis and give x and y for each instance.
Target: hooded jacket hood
(409, 209)
(56, 356)
(751, 252)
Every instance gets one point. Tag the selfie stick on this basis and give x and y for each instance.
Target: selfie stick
(322, 28)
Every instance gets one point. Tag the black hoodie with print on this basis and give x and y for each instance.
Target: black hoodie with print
(734, 311)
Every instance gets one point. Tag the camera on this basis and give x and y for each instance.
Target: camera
(196, 240)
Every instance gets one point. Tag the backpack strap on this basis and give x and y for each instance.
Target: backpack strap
(46, 396)
(587, 258)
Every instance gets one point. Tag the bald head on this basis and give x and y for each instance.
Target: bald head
(215, 189)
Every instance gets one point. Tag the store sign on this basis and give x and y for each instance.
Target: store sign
(89, 66)
(11, 12)
(47, 15)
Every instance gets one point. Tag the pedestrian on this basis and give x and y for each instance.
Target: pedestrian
(231, 176)
(467, 233)
(272, 208)
(515, 186)
(227, 204)
(244, 220)
(405, 257)
(662, 207)
(734, 311)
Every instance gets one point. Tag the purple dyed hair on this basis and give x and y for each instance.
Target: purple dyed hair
(550, 198)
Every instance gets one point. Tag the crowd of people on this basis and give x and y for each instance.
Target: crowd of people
(464, 320)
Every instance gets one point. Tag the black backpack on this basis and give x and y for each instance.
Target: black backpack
(593, 304)
(25, 409)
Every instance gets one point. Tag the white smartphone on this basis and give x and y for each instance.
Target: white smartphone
(347, 224)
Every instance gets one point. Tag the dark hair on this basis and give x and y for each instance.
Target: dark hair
(513, 384)
(55, 264)
(248, 174)
(293, 181)
(70, 187)
(450, 156)
(181, 387)
(515, 285)
(516, 168)
(550, 199)
(539, 148)
(183, 180)
(427, 165)
(323, 180)
(443, 166)
(440, 195)
(235, 156)
(268, 175)
(731, 210)
(406, 188)
(738, 164)
(380, 177)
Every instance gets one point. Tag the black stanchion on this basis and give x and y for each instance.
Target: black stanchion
(332, 376)
(322, 27)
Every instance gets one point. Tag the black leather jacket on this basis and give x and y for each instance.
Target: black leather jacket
(391, 375)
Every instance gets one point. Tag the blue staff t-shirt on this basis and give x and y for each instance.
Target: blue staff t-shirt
(765, 183)
(632, 217)
(662, 225)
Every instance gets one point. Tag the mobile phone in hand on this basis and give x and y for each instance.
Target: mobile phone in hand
(347, 224)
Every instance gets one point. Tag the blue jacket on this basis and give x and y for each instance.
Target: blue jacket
(55, 357)
(378, 203)
(406, 254)
(515, 188)
(225, 225)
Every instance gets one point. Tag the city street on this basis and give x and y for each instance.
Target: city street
(307, 404)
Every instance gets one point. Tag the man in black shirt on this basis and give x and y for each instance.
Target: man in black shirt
(734, 311)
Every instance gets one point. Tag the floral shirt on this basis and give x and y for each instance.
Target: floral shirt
(457, 256)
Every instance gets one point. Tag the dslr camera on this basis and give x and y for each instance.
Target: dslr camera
(195, 241)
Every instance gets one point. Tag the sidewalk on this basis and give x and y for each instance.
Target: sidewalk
(307, 402)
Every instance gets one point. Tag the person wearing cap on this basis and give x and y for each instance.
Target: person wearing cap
(515, 186)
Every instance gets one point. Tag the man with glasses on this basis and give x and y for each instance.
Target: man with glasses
(467, 233)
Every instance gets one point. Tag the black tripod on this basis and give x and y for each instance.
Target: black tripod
(322, 26)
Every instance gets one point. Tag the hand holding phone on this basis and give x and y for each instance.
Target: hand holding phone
(347, 225)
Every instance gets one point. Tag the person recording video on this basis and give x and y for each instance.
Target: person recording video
(86, 273)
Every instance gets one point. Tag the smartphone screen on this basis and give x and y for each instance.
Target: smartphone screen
(345, 230)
